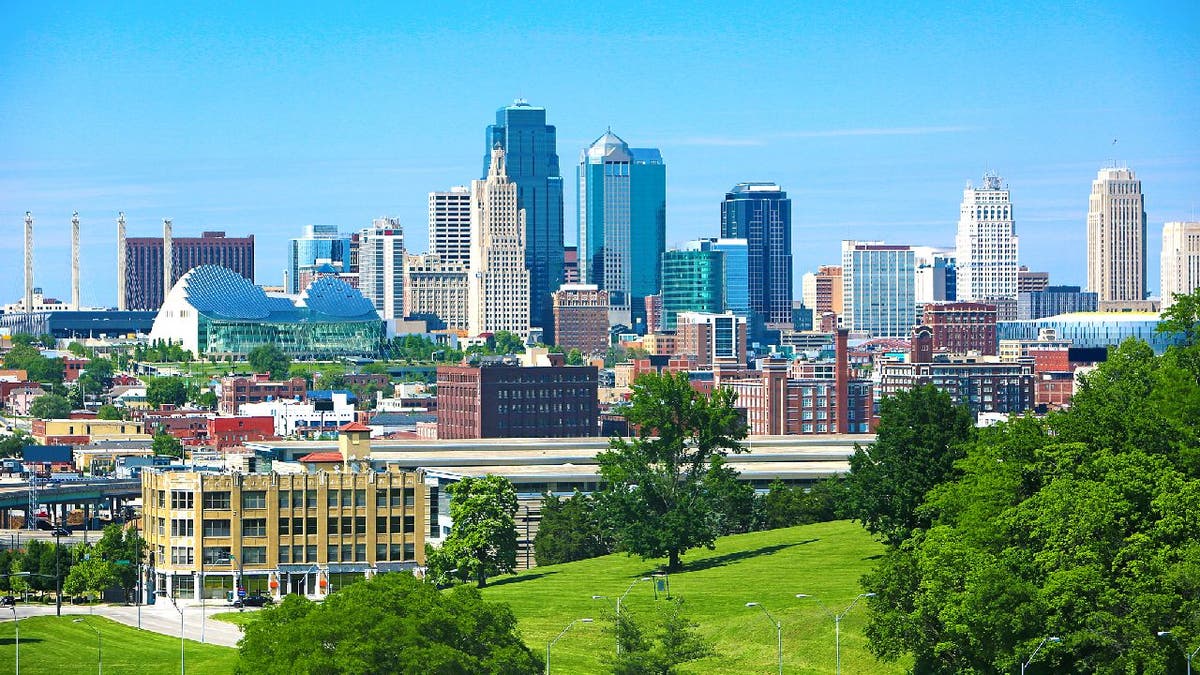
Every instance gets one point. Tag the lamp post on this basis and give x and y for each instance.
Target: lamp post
(1025, 664)
(99, 645)
(564, 632)
(1190, 655)
(837, 624)
(182, 666)
(17, 628)
(619, 599)
(778, 633)
(57, 573)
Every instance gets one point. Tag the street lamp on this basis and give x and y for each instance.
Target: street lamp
(619, 599)
(564, 632)
(16, 621)
(57, 573)
(182, 667)
(99, 645)
(1190, 656)
(837, 624)
(1025, 664)
(778, 633)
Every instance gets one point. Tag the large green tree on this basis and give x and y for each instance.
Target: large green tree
(11, 445)
(918, 441)
(50, 407)
(570, 529)
(657, 648)
(667, 486)
(39, 368)
(391, 623)
(483, 539)
(166, 391)
(166, 444)
(269, 358)
(123, 548)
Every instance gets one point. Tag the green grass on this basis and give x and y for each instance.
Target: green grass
(51, 644)
(238, 618)
(824, 560)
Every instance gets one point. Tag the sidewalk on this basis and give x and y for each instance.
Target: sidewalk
(161, 617)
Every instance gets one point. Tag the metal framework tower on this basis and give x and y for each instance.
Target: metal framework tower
(75, 261)
(28, 262)
(166, 257)
(122, 264)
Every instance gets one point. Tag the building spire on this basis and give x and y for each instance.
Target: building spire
(496, 170)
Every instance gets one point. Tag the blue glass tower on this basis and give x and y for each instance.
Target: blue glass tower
(761, 213)
(320, 245)
(531, 160)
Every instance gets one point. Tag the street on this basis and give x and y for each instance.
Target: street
(161, 617)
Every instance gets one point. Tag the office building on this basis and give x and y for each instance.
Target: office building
(236, 391)
(570, 264)
(434, 286)
(498, 279)
(529, 144)
(450, 225)
(1180, 260)
(761, 213)
(321, 245)
(1054, 300)
(986, 244)
(581, 318)
(712, 339)
(1094, 329)
(737, 270)
(513, 401)
(1116, 237)
(381, 267)
(144, 288)
(821, 292)
(1029, 281)
(936, 275)
(622, 223)
(879, 288)
(962, 327)
(693, 281)
(983, 384)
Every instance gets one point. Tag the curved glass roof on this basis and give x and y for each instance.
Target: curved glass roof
(221, 293)
(334, 297)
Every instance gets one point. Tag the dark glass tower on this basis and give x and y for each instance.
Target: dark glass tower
(531, 160)
(761, 213)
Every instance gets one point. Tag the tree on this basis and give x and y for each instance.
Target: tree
(39, 368)
(269, 358)
(785, 506)
(11, 445)
(162, 391)
(666, 486)
(90, 576)
(207, 399)
(166, 444)
(570, 529)
(108, 411)
(122, 548)
(574, 357)
(1183, 316)
(505, 342)
(674, 642)
(917, 443)
(483, 540)
(50, 407)
(391, 623)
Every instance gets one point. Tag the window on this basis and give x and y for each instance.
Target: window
(162, 525)
(217, 555)
(285, 499)
(410, 524)
(181, 499)
(397, 523)
(381, 499)
(331, 553)
(381, 524)
(360, 497)
(347, 552)
(256, 499)
(216, 528)
(310, 526)
(410, 551)
(254, 527)
(381, 551)
(310, 499)
(347, 524)
(284, 554)
(254, 555)
(410, 498)
(285, 525)
(397, 552)
(397, 498)
(360, 552)
(360, 524)
(183, 527)
(297, 554)
(162, 499)
(332, 498)
(310, 553)
(297, 499)
(332, 526)
(347, 496)
(181, 555)
(216, 500)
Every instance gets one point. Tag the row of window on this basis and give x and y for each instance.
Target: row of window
(257, 499)
(257, 527)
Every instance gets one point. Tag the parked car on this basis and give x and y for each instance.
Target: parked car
(254, 601)
(61, 532)
(9, 600)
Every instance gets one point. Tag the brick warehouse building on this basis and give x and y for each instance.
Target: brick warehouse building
(511, 401)
(962, 327)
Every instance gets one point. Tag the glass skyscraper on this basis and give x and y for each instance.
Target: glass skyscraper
(761, 213)
(737, 270)
(879, 283)
(622, 224)
(531, 158)
(320, 244)
(693, 281)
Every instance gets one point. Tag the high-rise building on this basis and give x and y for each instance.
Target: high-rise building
(1116, 237)
(962, 327)
(737, 271)
(529, 146)
(144, 256)
(320, 245)
(497, 278)
(827, 290)
(512, 401)
(1029, 281)
(1052, 301)
(450, 225)
(693, 281)
(381, 266)
(570, 264)
(986, 244)
(713, 339)
(622, 223)
(581, 318)
(761, 213)
(936, 274)
(879, 288)
(436, 287)
(1180, 260)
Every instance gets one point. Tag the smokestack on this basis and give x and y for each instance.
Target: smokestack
(75, 261)
(122, 265)
(166, 257)
(841, 370)
(28, 262)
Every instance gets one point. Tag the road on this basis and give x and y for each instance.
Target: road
(161, 617)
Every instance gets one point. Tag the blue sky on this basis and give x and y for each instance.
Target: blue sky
(260, 118)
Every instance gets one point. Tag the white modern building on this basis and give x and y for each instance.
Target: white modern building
(986, 244)
(450, 225)
(497, 279)
(1180, 260)
(935, 274)
(293, 417)
(1116, 237)
(878, 288)
(381, 266)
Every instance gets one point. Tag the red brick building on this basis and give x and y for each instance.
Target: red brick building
(510, 401)
(234, 391)
(962, 327)
(581, 318)
(226, 432)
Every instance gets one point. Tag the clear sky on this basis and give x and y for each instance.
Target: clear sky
(263, 117)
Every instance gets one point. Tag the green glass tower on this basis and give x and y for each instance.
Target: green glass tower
(692, 281)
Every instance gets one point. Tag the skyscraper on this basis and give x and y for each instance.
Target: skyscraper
(693, 281)
(497, 279)
(450, 225)
(761, 213)
(320, 245)
(1180, 260)
(936, 274)
(1116, 237)
(381, 266)
(737, 273)
(145, 263)
(879, 288)
(986, 244)
(622, 224)
(436, 287)
(531, 158)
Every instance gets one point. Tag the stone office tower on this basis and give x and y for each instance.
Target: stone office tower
(1116, 237)
(986, 244)
(497, 279)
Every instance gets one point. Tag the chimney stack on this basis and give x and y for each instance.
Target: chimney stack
(841, 371)
(75, 261)
(28, 262)
(122, 265)
(166, 257)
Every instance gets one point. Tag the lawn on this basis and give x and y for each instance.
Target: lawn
(238, 618)
(57, 645)
(824, 560)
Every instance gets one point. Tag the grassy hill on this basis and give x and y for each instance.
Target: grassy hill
(824, 560)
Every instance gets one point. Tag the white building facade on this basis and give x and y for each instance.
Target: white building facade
(436, 285)
(381, 267)
(986, 244)
(293, 417)
(450, 225)
(1116, 237)
(497, 279)
(1180, 260)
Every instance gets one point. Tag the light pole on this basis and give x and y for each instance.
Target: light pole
(99, 645)
(57, 573)
(182, 666)
(1025, 664)
(619, 599)
(564, 632)
(1190, 656)
(837, 624)
(778, 633)
(17, 628)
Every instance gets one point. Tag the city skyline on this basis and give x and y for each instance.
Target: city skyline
(874, 138)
